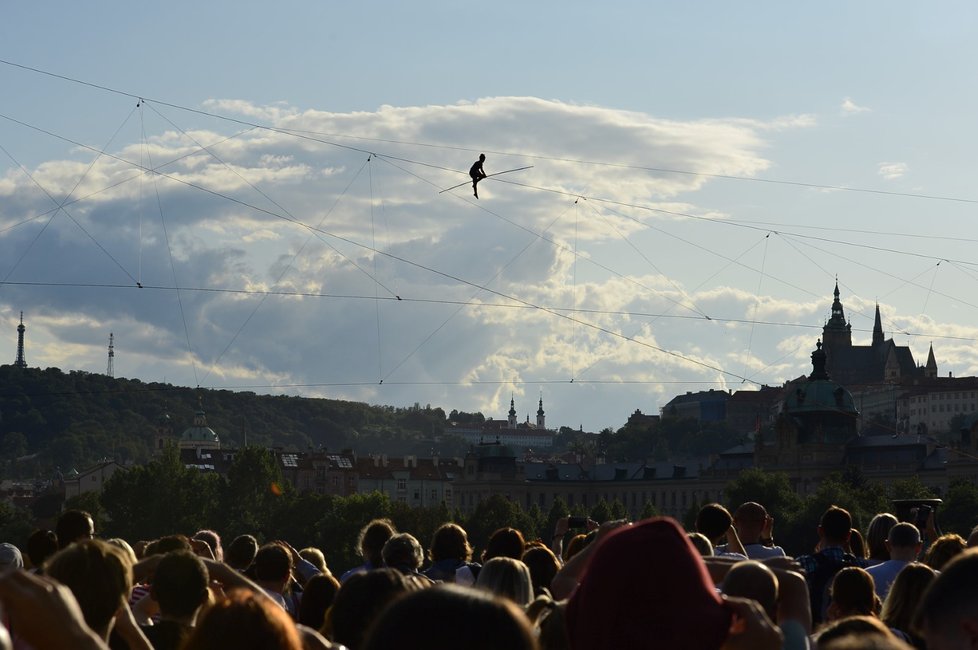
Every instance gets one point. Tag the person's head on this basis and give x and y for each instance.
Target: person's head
(482, 157)
(100, 577)
(504, 576)
(167, 544)
(749, 519)
(213, 540)
(180, 585)
(450, 542)
(904, 542)
(864, 630)
(574, 546)
(948, 612)
(543, 566)
(73, 526)
(244, 621)
(549, 619)
(669, 596)
(853, 594)
(372, 538)
(41, 545)
(358, 602)
(241, 553)
(751, 579)
(315, 557)
(834, 526)
(713, 520)
(10, 557)
(317, 597)
(702, 545)
(876, 535)
(273, 566)
(466, 619)
(505, 542)
(904, 595)
(943, 550)
(857, 546)
(404, 552)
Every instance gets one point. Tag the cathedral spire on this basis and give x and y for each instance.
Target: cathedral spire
(541, 421)
(930, 370)
(878, 328)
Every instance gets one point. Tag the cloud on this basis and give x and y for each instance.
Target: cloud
(850, 107)
(892, 170)
(582, 268)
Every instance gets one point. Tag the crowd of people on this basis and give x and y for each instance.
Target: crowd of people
(617, 584)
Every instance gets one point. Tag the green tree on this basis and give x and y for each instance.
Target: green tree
(497, 512)
(601, 512)
(958, 512)
(771, 489)
(558, 510)
(253, 492)
(160, 498)
(649, 510)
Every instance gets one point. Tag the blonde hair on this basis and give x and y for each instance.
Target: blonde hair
(901, 603)
(504, 576)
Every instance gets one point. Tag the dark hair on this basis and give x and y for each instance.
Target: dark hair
(466, 619)
(713, 520)
(836, 524)
(876, 534)
(504, 542)
(317, 597)
(273, 562)
(358, 602)
(73, 525)
(180, 583)
(854, 592)
(241, 553)
(244, 621)
(904, 535)
(213, 540)
(403, 551)
(450, 542)
(98, 574)
(167, 544)
(41, 545)
(372, 538)
(862, 628)
(543, 567)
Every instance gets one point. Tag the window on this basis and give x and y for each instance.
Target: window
(401, 484)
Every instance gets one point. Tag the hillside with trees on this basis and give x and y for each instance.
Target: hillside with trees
(53, 421)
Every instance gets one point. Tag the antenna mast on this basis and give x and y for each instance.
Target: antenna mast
(110, 371)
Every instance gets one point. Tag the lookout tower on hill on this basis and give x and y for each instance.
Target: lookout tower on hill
(21, 361)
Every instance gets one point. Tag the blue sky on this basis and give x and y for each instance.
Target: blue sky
(600, 271)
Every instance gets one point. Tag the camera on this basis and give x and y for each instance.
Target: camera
(576, 522)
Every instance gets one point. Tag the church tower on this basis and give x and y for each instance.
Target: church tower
(541, 420)
(837, 333)
(21, 362)
(512, 413)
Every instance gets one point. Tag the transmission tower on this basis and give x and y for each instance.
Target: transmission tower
(110, 371)
(21, 362)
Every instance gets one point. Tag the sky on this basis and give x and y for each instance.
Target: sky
(251, 197)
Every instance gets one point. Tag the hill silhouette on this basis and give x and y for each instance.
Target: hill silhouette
(53, 421)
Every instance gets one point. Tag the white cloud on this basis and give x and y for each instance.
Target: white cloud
(892, 170)
(527, 286)
(850, 107)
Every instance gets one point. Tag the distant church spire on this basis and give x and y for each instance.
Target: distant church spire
(837, 333)
(930, 370)
(512, 412)
(878, 328)
(21, 362)
(541, 420)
